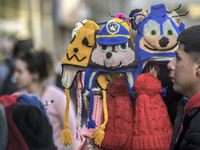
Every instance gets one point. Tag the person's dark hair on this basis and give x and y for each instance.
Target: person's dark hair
(190, 37)
(39, 61)
(22, 46)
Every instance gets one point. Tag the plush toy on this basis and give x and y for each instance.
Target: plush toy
(113, 52)
(76, 60)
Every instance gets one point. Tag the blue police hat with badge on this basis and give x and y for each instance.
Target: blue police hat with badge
(113, 33)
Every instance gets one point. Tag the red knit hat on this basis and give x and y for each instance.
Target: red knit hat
(152, 126)
(119, 129)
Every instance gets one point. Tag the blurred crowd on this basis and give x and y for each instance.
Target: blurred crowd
(28, 77)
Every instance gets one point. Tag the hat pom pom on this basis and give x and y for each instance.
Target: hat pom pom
(98, 136)
(164, 93)
(91, 124)
(66, 137)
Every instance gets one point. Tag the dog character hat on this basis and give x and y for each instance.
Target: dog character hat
(76, 60)
(113, 53)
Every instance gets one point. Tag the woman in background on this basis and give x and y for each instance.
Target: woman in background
(32, 74)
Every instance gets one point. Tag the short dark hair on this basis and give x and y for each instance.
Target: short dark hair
(38, 61)
(22, 46)
(190, 37)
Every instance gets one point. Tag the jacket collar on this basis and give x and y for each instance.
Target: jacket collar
(194, 102)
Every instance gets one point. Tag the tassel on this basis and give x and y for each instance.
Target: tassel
(98, 134)
(91, 123)
(66, 137)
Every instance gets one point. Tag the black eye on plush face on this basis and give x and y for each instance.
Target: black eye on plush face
(104, 47)
(73, 39)
(153, 32)
(123, 46)
(170, 32)
(85, 41)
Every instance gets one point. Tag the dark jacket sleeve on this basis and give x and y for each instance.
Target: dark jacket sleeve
(190, 136)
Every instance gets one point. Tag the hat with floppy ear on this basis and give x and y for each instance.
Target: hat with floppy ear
(156, 38)
(76, 60)
(113, 53)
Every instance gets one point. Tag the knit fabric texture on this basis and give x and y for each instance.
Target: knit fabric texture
(76, 59)
(80, 48)
(156, 35)
(113, 33)
(113, 53)
(120, 18)
(86, 133)
(119, 129)
(3, 128)
(34, 127)
(152, 126)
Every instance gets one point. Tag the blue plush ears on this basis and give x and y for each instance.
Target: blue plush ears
(158, 11)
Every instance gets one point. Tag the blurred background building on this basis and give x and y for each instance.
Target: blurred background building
(50, 22)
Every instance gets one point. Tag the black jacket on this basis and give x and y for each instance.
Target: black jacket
(189, 137)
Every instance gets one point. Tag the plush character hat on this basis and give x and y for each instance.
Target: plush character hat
(113, 53)
(75, 60)
(156, 37)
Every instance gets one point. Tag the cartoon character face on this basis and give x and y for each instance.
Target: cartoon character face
(114, 48)
(113, 57)
(155, 40)
(156, 33)
(79, 50)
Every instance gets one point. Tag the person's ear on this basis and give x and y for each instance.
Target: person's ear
(198, 68)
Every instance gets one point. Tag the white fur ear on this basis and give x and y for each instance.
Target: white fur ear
(138, 17)
(68, 75)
